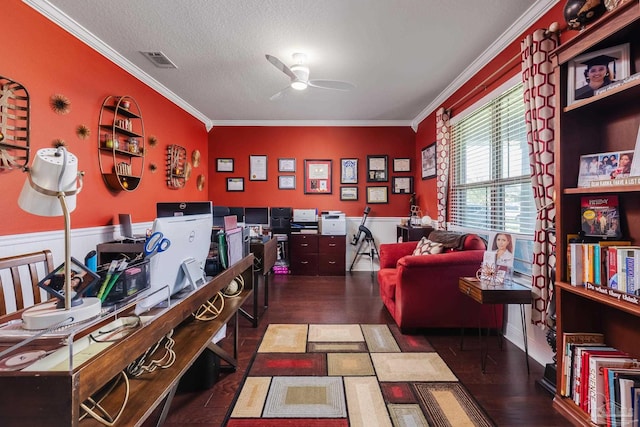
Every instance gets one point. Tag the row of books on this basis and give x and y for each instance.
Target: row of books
(602, 380)
(613, 264)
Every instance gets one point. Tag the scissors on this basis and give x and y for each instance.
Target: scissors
(155, 244)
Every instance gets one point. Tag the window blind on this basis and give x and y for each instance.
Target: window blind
(490, 183)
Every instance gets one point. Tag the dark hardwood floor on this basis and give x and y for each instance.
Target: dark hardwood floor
(509, 396)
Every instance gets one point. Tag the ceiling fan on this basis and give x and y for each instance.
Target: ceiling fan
(299, 75)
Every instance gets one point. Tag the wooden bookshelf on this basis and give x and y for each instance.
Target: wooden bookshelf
(603, 123)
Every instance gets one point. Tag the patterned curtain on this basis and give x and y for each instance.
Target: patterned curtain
(539, 92)
(442, 167)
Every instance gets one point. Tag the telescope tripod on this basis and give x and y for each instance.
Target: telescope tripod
(364, 236)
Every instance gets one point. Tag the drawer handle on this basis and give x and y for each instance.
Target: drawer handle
(304, 244)
(332, 262)
(332, 244)
(468, 291)
(304, 262)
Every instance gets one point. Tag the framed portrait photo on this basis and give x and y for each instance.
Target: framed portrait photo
(317, 177)
(235, 184)
(595, 72)
(377, 194)
(224, 165)
(402, 185)
(349, 193)
(287, 182)
(286, 165)
(348, 171)
(428, 159)
(377, 168)
(257, 168)
(402, 165)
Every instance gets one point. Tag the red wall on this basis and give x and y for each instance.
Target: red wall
(47, 60)
(307, 143)
(470, 93)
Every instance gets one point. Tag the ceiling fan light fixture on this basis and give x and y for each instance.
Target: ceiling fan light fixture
(299, 85)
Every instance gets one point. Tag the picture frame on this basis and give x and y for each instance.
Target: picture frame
(348, 171)
(286, 182)
(377, 194)
(317, 176)
(402, 164)
(224, 164)
(349, 194)
(286, 165)
(428, 159)
(377, 168)
(235, 184)
(257, 168)
(578, 82)
(402, 185)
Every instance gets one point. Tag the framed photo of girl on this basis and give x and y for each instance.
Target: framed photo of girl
(590, 73)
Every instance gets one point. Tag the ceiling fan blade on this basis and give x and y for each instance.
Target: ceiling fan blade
(331, 84)
(280, 66)
(280, 94)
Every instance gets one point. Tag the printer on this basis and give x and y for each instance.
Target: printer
(333, 223)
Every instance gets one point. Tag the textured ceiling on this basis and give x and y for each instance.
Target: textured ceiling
(401, 55)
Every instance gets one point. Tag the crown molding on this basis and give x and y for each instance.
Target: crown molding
(530, 17)
(55, 15)
(310, 123)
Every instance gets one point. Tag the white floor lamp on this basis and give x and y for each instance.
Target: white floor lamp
(50, 190)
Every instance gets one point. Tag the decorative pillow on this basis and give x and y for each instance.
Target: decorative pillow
(427, 247)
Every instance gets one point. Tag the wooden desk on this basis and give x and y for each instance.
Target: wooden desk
(511, 293)
(53, 398)
(265, 255)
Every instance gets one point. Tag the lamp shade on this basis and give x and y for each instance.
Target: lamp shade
(53, 170)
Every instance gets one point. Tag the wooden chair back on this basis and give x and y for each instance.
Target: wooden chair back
(27, 264)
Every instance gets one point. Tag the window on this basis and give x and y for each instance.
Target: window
(491, 184)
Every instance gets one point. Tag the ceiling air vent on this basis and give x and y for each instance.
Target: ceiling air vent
(159, 59)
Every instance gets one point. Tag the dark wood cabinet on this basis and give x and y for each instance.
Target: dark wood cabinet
(605, 122)
(314, 254)
(411, 234)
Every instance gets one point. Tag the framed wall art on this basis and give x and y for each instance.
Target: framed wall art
(317, 177)
(235, 184)
(349, 193)
(348, 171)
(377, 168)
(402, 164)
(287, 182)
(257, 168)
(286, 165)
(377, 194)
(224, 165)
(594, 72)
(402, 185)
(429, 161)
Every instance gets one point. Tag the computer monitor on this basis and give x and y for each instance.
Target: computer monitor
(167, 209)
(256, 216)
(237, 211)
(190, 240)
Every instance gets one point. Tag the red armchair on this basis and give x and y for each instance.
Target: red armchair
(422, 291)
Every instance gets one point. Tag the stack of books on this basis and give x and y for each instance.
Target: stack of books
(602, 380)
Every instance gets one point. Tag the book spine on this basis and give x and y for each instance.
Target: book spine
(631, 269)
(587, 263)
(612, 260)
(621, 272)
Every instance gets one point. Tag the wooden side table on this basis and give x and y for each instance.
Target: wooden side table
(511, 293)
(411, 234)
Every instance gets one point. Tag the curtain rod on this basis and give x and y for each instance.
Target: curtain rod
(504, 68)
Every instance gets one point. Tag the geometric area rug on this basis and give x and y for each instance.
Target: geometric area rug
(336, 375)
